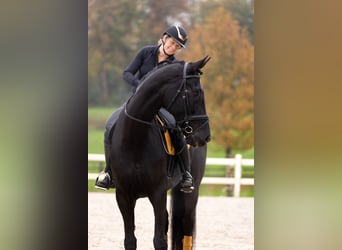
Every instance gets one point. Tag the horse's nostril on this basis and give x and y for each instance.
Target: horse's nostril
(208, 139)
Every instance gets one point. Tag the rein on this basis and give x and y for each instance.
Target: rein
(150, 123)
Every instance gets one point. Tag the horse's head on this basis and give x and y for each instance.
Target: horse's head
(188, 105)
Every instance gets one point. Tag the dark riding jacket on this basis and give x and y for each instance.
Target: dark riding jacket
(145, 60)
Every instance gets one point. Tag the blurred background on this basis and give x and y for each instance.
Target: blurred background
(46, 71)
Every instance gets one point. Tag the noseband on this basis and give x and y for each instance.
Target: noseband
(187, 129)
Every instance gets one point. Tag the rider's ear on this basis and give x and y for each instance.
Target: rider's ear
(164, 38)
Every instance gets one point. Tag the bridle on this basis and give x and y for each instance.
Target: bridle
(187, 129)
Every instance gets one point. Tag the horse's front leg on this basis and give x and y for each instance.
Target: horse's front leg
(126, 206)
(158, 200)
(189, 219)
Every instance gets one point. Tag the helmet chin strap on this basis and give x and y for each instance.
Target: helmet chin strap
(164, 49)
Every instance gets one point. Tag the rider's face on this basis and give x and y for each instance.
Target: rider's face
(171, 46)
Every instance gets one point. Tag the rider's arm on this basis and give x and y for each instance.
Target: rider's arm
(130, 73)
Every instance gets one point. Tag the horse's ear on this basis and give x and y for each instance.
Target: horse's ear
(201, 63)
(204, 61)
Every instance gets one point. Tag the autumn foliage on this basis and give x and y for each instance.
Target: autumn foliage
(228, 80)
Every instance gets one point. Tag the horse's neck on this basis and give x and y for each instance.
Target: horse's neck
(144, 106)
(139, 110)
(146, 102)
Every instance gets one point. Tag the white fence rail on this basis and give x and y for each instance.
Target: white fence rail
(236, 162)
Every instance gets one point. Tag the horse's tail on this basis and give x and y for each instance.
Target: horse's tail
(182, 227)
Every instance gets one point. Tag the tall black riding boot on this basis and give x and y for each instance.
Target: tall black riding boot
(187, 183)
(104, 180)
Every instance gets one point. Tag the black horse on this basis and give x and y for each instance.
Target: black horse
(141, 166)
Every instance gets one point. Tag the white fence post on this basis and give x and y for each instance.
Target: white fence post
(237, 175)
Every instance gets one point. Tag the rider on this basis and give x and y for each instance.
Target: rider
(173, 39)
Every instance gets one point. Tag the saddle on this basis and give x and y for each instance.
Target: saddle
(168, 138)
(165, 118)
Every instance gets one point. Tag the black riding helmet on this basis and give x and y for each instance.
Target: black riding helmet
(178, 33)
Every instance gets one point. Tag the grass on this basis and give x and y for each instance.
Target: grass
(97, 117)
(96, 121)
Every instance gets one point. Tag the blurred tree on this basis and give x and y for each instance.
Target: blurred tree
(228, 80)
(109, 33)
(157, 15)
(116, 30)
(241, 10)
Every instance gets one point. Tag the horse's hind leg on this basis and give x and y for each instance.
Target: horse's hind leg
(126, 206)
(158, 201)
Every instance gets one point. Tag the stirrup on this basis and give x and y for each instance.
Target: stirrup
(187, 190)
(103, 181)
(187, 186)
